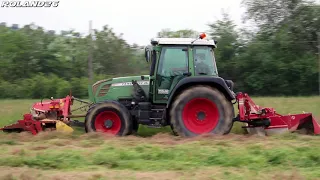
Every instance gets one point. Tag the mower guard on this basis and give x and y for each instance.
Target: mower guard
(62, 127)
(304, 123)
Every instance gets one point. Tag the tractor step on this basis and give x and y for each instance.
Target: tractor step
(155, 126)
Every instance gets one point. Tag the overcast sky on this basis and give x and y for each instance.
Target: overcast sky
(138, 20)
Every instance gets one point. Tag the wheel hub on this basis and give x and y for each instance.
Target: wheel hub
(108, 123)
(201, 115)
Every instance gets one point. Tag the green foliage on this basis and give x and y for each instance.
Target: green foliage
(184, 33)
(41, 86)
(39, 64)
(279, 58)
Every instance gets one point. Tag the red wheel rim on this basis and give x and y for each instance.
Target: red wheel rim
(108, 121)
(200, 115)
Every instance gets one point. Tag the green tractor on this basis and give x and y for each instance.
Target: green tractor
(183, 91)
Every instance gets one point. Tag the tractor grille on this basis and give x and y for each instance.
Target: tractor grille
(104, 90)
(97, 84)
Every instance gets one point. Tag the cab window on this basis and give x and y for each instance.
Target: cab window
(173, 61)
(204, 61)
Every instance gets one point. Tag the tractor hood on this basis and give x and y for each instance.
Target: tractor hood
(115, 88)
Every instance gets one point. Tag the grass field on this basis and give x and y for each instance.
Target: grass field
(156, 154)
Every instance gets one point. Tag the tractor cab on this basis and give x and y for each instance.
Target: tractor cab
(173, 59)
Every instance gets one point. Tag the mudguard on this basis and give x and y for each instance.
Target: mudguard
(217, 82)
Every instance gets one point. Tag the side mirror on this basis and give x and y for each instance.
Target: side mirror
(147, 54)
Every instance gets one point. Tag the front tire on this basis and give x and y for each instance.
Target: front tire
(199, 110)
(109, 117)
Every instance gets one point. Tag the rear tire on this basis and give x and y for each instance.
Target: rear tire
(199, 110)
(109, 117)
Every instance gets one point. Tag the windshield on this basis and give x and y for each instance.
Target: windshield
(204, 61)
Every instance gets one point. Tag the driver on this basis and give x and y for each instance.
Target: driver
(201, 67)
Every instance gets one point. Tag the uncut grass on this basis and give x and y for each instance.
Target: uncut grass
(93, 152)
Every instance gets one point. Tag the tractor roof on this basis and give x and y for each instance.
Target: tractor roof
(182, 41)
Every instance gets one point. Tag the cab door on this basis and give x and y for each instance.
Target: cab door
(172, 66)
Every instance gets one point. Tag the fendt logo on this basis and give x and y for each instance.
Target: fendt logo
(29, 4)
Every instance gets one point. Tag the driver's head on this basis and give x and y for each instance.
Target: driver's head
(199, 58)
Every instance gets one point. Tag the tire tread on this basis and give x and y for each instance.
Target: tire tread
(227, 106)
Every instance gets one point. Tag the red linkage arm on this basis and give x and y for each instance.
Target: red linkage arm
(67, 102)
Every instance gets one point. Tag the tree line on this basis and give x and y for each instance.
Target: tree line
(36, 63)
(279, 57)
